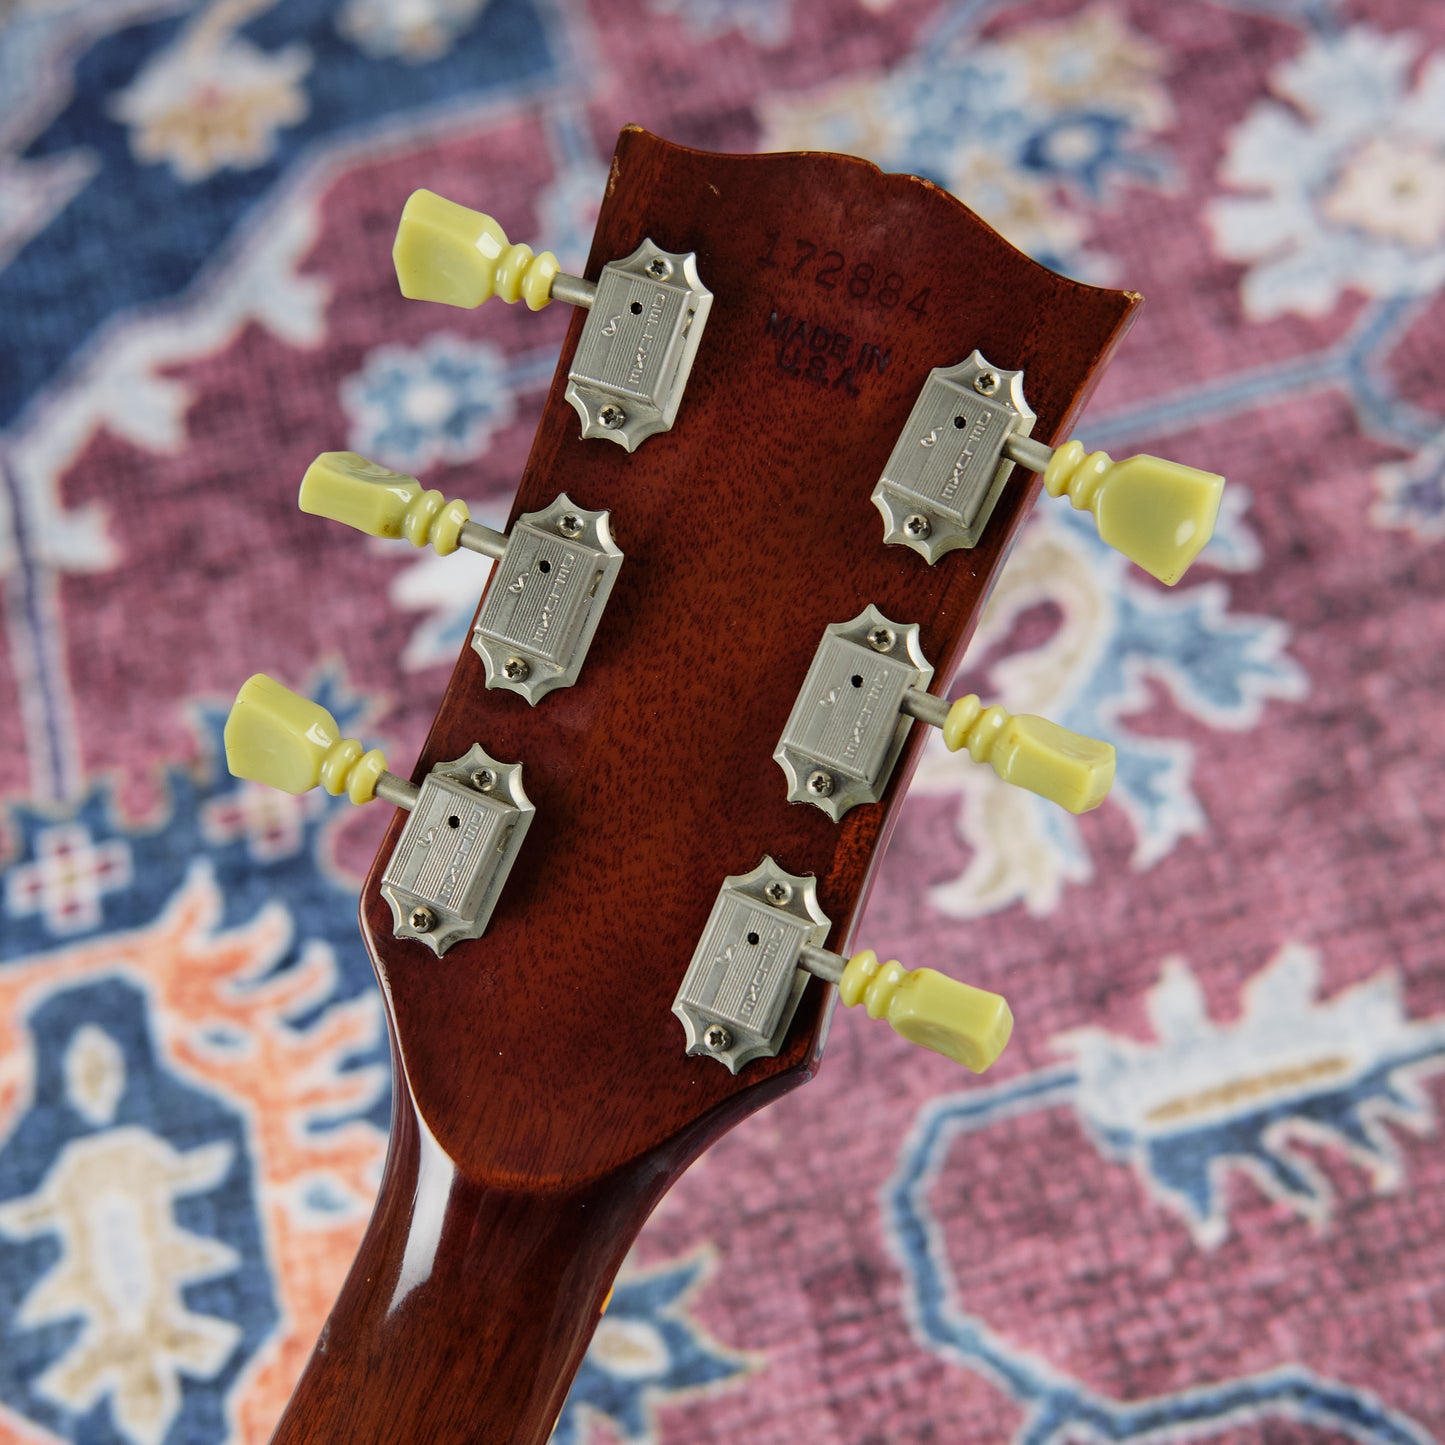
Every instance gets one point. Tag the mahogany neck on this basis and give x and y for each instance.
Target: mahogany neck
(469, 1308)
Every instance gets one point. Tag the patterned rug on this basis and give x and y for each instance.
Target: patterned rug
(1202, 1197)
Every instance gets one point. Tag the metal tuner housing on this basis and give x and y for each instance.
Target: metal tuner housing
(742, 987)
(638, 345)
(946, 470)
(460, 840)
(541, 611)
(847, 727)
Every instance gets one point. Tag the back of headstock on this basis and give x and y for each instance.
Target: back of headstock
(746, 529)
(545, 1098)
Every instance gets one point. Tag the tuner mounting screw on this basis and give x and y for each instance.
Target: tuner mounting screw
(611, 416)
(778, 893)
(917, 525)
(484, 780)
(659, 268)
(422, 920)
(570, 525)
(514, 669)
(820, 784)
(881, 639)
(717, 1038)
(986, 383)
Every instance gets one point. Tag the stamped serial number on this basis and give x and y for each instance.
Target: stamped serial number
(860, 281)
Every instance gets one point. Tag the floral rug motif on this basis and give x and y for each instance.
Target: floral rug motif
(1202, 1197)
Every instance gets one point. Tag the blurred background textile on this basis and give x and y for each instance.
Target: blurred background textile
(1201, 1196)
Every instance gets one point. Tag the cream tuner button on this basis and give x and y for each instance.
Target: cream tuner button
(646, 311)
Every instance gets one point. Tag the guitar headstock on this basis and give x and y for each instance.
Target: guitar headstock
(546, 1051)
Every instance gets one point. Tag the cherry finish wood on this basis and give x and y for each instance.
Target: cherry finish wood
(470, 1306)
(544, 1101)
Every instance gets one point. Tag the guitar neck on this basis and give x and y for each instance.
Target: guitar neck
(469, 1306)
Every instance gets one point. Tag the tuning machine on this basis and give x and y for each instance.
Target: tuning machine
(556, 567)
(761, 942)
(868, 678)
(647, 310)
(468, 817)
(968, 429)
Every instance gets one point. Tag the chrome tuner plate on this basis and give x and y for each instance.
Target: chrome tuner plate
(742, 987)
(457, 847)
(542, 609)
(638, 344)
(846, 729)
(947, 468)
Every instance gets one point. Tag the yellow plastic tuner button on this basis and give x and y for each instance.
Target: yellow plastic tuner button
(275, 736)
(1067, 768)
(646, 311)
(765, 936)
(460, 257)
(467, 820)
(851, 718)
(972, 424)
(344, 487)
(968, 1025)
(555, 568)
(1157, 513)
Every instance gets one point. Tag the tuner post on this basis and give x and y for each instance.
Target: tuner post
(451, 254)
(646, 311)
(970, 427)
(277, 737)
(866, 682)
(1030, 752)
(467, 818)
(966, 1024)
(762, 941)
(556, 567)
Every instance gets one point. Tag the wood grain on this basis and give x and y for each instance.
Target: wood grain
(540, 1068)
